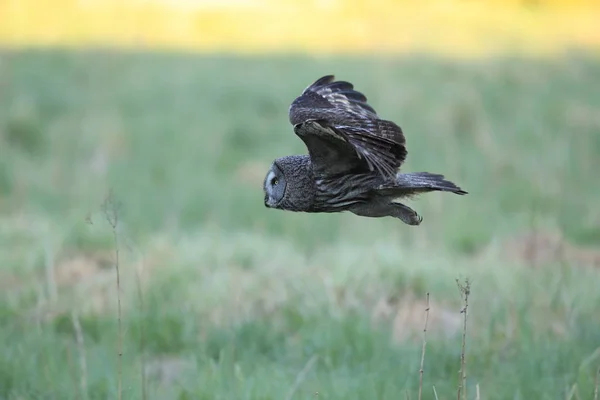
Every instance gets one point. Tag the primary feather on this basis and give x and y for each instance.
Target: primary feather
(340, 128)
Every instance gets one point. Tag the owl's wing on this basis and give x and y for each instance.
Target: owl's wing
(342, 131)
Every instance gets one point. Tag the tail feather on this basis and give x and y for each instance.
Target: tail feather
(421, 182)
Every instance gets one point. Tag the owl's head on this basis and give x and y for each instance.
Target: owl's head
(289, 184)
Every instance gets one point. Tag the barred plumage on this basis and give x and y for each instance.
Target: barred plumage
(339, 194)
(353, 159)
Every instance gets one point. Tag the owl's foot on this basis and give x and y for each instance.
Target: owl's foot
(381, 209)
(406, 214)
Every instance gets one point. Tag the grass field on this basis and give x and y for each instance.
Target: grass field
(224, 299)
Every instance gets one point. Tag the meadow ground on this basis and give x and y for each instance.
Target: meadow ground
(225, 299)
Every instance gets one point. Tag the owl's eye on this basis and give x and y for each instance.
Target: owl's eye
(274, 182)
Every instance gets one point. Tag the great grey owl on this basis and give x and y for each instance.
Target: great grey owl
(352, 162)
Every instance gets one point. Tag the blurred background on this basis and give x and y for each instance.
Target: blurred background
(138, 133)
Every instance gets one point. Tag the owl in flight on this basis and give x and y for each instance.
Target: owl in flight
(352, 162)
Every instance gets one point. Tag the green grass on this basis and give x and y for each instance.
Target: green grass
(235, 299)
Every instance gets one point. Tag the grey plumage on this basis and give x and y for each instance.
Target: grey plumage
(352, 162)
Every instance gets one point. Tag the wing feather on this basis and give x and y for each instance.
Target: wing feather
(343, 132)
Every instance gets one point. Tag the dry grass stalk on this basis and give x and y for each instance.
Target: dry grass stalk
(301, 376)
(597, 384)
(465, 291)
(111, 211)
(573, 393)
(421, 370)
(81, 349)
(435, 393)
(140, 293)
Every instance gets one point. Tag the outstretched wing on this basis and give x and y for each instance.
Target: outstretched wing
(342, 131)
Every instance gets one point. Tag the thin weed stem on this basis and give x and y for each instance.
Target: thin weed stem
(140, 294)
(465, 291)
(111, 211)
(81, 349)
(421, 370)
(573, 393)
(301, 376)
(597, 384)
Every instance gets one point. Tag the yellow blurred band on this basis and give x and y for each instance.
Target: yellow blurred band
(316, 26)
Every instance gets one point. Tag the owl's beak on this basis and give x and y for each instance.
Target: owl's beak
(269, 203)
